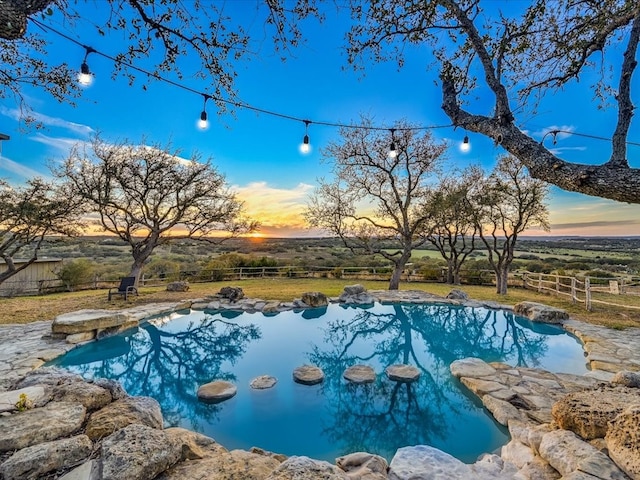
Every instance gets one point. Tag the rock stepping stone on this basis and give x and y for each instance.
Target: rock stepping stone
(308, 375)
(216, 391)
(262, 382)
(359, 374)
(402, 373)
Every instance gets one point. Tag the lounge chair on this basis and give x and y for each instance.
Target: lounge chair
(127, 287)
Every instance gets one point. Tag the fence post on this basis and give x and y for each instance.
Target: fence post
(240, 274)
(573, 289)
(587, 293)
(557, 284)
(539, 282)
(622, 292)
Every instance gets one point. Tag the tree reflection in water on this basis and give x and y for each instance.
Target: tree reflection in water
(366, 417)
(168, 362)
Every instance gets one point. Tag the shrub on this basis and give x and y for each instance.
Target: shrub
(75, 273)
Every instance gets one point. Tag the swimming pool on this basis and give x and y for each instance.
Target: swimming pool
(171, 356)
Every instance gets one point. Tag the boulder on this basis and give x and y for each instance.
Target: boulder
(354, 289)
(627, 379)
(81, 337)
(457, 294)
(231, 293)
(356, 294)
(138, 452)
(181, 286)
(402, 373)
(538, 312)
(216, 391)
(90, 395)
(623, 441)
(308, 375)
(360, 374)
(113, 386)
(363, 466)
(426, 462)
(315, 299)
(48, 376)
(471, 367)
(502, 411)
(589, 412)
(87, 320)
(35, 461)
(194, 445)
(262, 382)
(305, 468)
(8, 400)
(86, 471)
(123, 412)
(53, 421)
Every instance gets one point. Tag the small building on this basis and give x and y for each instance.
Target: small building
(38, 277)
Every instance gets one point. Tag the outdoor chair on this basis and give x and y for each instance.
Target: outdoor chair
(127, 287)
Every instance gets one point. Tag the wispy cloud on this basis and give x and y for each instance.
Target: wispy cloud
(48, 121)
(564, 131)
(20, 170)
(599, 223)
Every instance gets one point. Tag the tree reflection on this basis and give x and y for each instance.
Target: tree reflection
(429, 337)
(170, 365)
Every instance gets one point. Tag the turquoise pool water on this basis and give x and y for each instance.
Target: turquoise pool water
(169, 357)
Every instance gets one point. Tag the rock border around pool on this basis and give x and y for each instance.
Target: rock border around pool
(141, 449)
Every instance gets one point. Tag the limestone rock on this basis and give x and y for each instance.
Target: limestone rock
(360, 374)
(305, 468)
(566, 452)
(354, 289)
(315, 299)
(426, 462)
(626, 378)
(356, 294)
(33, 462)
(457, 294)
(90, 395)
(53, 421)
(501, 410)
(86, 471)
(194, 445)
(623, 441)
(181, 286)
(308, 375)
(262, 382)
(363, 466)
(538, 312)
(471, 367)
(517, 453)
(114, 387)
(232, 293)
(8, 400)
(589, 412)
(216, 391)
(492, 466)
(87, 320)
(48, 376)
(271, 308)
(123, 412)
(402, 373)
(81, 337)
(138, 452)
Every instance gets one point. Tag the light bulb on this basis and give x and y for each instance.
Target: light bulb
(304, 146)
(465, 146)
(393, 153)
(203, 123)
(84, 77)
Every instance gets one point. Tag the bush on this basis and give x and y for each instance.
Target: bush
(76, 273)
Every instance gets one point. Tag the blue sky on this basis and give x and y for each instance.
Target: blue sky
(259, 153)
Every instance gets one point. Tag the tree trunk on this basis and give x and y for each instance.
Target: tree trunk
(394, 283)
(450, 271)
(136, 269)
(502, 275)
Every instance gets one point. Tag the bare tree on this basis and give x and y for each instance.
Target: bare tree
(372, 202)
(451, 227)
(519, 54)
(27, 215)
(508, 203)
(149, 196)
(167, 31)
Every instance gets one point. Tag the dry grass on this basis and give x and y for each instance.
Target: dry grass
(46, 307)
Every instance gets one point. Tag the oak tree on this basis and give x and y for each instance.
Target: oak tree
(149, 196)
(372, 202)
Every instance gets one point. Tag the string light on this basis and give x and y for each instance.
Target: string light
(203, 123)
(465, 146)
(85, 78)
(304, 146)
(393, 153)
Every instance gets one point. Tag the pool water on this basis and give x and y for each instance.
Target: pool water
(170, 356)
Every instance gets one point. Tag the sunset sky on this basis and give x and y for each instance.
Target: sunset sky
(259, 153)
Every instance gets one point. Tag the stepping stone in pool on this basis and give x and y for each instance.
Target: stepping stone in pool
(262, 382)
(217, 391)
(308, 375)
(403, 373)
(360, 374)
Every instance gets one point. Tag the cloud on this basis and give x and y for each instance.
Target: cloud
(48, 121)
(20, 170)
(275, 208)
(564, 131)
(599, 223)
(62, 144)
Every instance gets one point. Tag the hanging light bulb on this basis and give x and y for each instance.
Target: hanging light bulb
(85, 77)
(465, 146)
(203, 123)
(393, 153)
(304, 146)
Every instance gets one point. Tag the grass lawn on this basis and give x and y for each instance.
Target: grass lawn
(46, 307)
